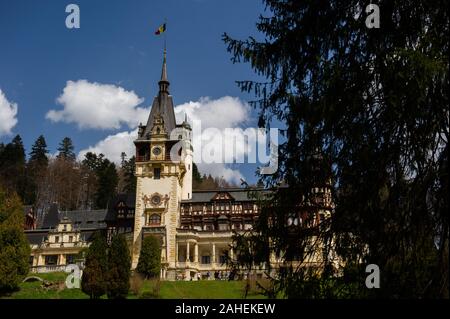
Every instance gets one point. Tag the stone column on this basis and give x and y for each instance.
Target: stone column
(187, 252)
(213, 261)
(62, 259)
(196, 253)
(40, 260)
(176, 254)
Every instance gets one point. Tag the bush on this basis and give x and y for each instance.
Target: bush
(119, 264)
(94, 279)
(149, 263)
(136, 283)
(14, 247)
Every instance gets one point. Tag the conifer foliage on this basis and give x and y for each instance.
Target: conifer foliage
(119, 265)
(149, 263)
(365, 112)
(94, 279)
(14, 247)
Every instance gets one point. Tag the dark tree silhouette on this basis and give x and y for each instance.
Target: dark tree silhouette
(365, 113)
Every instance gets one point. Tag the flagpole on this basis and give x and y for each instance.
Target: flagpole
(165, 24)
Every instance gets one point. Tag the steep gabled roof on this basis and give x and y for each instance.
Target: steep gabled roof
(92, 219)
(162, 107)
(129, 200)
(51, 219)
(237, 194)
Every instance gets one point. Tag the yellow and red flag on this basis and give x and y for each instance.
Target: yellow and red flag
(161, 29)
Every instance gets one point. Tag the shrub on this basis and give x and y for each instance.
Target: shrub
(149, 263)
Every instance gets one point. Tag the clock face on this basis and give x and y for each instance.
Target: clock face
(156, 151)
(156, 199)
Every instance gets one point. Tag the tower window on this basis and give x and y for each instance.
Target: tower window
(157, 173)
(155, 219)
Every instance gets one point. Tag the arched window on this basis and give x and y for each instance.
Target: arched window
(155, 219)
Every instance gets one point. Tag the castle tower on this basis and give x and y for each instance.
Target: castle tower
(164, 176)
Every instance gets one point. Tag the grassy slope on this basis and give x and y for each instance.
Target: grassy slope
(169, 290)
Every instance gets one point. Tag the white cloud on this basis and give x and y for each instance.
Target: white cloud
(217, 117)
(113, 146)
(225, 112)
(98, 106)
(222, 113)
(8, 114)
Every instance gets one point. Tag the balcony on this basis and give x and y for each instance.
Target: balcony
(154, 229)
(143, 158)
(201, 267)
(47, 269)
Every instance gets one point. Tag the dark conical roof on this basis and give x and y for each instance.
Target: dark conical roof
(162, 106)
(51, 219)
(164, 70)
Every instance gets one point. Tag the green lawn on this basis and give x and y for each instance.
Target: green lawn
(168, 290)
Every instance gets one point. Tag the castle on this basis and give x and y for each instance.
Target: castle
(195, 228)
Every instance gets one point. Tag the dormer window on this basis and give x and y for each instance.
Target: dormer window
(155, 220)
(293, 220)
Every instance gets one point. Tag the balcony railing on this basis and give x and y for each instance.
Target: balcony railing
(200, 266)
(48, 268)
(143, 158)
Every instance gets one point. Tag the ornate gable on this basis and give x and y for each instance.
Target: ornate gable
(222, 196)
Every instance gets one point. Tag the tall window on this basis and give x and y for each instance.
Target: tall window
(157, 173)
(51, 260)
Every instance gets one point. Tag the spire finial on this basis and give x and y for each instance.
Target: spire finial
(164, 82)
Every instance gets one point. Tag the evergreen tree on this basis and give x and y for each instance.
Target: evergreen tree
(366, 113)
(35, 170)
(38, 154)
(12, 167)
(66, 149)
(119, 265)
(94, 281)
(128, 168)
(107, 183)
(91, 161)
(196, 177)
(149, 263)
(14, 247)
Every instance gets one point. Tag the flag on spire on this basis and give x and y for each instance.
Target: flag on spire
(161, 29)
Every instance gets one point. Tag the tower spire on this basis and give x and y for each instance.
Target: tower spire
(164, 82)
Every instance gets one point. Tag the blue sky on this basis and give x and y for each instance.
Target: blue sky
(116, 46)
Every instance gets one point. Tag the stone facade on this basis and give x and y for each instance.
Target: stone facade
(194, 227)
